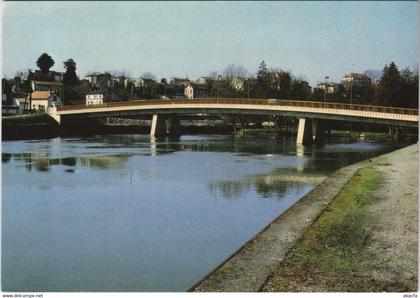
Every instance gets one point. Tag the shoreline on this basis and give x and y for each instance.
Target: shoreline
(252, 265)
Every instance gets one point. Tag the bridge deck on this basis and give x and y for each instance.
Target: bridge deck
(250, 106)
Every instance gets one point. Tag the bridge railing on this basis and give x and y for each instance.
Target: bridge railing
(246, 101)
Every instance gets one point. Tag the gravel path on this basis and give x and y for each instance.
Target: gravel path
(395, 232)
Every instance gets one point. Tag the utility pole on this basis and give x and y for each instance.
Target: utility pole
(132, 91)
(351, 91)
(248, 88)
(325, 88)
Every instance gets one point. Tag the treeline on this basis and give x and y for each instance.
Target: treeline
(391, 87)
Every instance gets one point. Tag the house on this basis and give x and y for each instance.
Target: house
(39, 76)
(330, 87)
(56, 87)
(179, 82)
(238, 83)
(355, 80)
(203, 80)
(22, 101)
(195, 90)
(101, 81)
(94, 99)
(42, 100)
(9, 105)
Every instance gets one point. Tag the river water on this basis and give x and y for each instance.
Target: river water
(126, 213)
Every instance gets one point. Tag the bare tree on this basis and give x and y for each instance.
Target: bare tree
(234, 70)
(374, 75)
(148, 75)
(213, 74)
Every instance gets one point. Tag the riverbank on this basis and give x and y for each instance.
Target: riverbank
(32, 126)
(357, 231)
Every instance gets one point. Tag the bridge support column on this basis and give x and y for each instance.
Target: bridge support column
(158, 125)
(304, 135)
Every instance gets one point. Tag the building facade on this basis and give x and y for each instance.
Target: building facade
(42, 100)
(94, 99)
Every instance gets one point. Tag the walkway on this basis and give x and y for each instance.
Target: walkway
(394, 235)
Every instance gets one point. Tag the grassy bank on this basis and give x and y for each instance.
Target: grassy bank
(332, 254)
(29, 127)
(28, 119)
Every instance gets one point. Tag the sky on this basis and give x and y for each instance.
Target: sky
(311, 39)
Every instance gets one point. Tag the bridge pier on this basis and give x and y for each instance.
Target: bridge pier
(164, 125)
(158, 125)
(318, 131)
(310, 131)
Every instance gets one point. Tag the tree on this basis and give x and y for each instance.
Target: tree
(45, 62)
(373, 74)
(263, 81)
(280, 84)
(148, 75)
(389, 88)
(300, 89)
(233, 70)
(70, 78)
(410, 88)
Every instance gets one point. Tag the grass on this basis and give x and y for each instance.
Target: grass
(28, 119)
(332, 254)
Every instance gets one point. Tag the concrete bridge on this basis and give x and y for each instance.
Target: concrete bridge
(165, 113)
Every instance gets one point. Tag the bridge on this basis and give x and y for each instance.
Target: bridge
(165, 113)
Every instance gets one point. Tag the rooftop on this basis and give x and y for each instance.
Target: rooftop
(49, 83)
(40, 95)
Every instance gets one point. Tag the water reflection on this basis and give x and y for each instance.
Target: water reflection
(6, 157)
(41, 162)
(275, 184)
(127, 213)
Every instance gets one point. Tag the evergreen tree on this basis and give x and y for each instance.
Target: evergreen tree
(410, 88)
(45, 62)
(263, 81)
(389, 88)
(70, 78)
(72, 92)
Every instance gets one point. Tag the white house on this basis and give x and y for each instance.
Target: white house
(189, 92)
(330, 87)
(94, 99)
(195, 90)
(238, 83)
(42, 100)
(355, 79)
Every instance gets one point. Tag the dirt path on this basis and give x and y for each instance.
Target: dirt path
(381, 254)
(395, 234)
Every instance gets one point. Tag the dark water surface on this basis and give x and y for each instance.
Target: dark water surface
(124, 213)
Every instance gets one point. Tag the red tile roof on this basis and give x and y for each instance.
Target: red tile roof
(41, 95)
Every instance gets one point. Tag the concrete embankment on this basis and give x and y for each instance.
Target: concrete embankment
(272, 259)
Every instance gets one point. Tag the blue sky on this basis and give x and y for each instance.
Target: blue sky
(312, 39)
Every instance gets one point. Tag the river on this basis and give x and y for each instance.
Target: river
(126, 213)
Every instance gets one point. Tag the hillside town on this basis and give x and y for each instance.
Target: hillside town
(33, 91)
